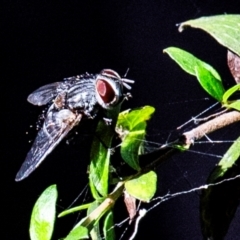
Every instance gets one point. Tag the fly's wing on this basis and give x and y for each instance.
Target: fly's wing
(56, 126)
(44, 94)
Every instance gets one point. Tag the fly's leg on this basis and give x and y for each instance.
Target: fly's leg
(107, 121)
(126, 96)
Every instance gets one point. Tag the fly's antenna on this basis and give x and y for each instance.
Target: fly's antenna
(126, 73)
(125, 81)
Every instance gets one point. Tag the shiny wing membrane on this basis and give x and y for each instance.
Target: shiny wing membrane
(56, 126)
(44, 94)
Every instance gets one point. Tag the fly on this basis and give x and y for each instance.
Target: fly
(72, 99)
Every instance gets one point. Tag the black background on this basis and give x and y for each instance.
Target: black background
(47, 41)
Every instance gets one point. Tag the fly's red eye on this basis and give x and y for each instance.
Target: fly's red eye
(105, 91)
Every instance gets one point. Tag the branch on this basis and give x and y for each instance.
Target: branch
(211, 126)
(187, 139)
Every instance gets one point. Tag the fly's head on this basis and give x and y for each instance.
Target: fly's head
(109, 88)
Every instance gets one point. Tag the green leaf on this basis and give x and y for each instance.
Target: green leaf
(228, 160)
(143, 187)
(108, 227)
(99, 167)
(93, 188)
(84, 226)
(127, 120)
(74, 209)
(94, 226)
(77, 233)
(224, 28)
(207, 76)
(230, 92)
(188, 62)
(131, 144)
(219, 203)
(209, 83)
(95, 211)
(131, 127)
(234, 104)
(100, 153)
(231, 104)
(43, 215)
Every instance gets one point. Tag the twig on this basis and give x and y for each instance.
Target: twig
(186, 140)
(211, 126)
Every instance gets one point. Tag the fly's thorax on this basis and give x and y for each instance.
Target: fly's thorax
(81, 95)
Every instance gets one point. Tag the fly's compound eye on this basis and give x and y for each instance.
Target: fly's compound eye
(108, 92)
(109, 88)
(105, 91)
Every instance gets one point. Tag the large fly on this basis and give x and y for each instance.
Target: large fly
(72, 99)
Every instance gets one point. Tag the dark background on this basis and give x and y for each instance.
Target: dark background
(45, 42)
